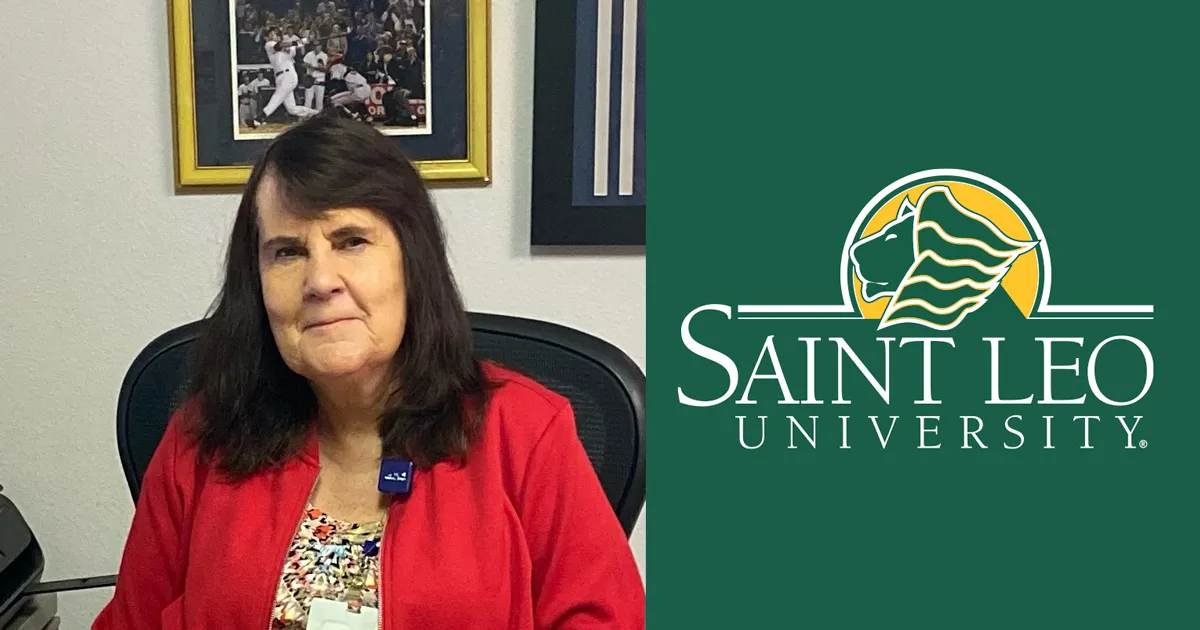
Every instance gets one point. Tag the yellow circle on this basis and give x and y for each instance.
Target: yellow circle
(1021, 281)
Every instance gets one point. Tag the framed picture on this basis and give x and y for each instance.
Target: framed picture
(589, 121)
(243, 71)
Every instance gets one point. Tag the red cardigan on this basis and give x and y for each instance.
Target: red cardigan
(521, 537)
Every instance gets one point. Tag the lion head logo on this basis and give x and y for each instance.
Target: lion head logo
(936, 262)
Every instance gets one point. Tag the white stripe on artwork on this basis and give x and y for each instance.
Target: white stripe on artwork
(603, 89)
(628, 85)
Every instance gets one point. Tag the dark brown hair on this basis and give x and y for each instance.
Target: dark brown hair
(254, 411)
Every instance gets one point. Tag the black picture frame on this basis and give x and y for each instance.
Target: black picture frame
(565, 82)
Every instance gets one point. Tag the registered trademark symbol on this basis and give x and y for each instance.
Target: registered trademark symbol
(1142, 444)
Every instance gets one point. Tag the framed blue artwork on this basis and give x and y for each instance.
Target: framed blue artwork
(589, 123)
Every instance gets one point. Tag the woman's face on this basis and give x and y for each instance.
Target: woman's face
(333, 288)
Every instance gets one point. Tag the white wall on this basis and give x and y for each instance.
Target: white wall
(98, 256)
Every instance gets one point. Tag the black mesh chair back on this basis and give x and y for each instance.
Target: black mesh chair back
(605, 387)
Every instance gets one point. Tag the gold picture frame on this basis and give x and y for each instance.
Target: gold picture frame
(192, 176)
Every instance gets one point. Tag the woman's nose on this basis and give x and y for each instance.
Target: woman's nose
(322, 278)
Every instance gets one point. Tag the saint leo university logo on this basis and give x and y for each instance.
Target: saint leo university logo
(937, 246)
(955, 264)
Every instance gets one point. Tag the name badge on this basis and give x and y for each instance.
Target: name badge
(395, 476)
(326, 614)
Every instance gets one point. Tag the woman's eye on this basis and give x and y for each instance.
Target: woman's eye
(286, 252)
(354, 241)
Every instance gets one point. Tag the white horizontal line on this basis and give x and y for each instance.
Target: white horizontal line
(1087, 308)
(803, 308)
(1064, 318)
(857, 318)
(842, 308)
(799, 317)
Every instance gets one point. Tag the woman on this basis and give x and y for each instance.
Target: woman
(339, 352)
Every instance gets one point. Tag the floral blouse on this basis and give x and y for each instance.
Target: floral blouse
(329, 559)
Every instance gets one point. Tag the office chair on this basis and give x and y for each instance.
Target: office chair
(606, 389)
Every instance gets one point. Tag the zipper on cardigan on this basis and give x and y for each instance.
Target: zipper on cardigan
(283, 565)
(382, 536)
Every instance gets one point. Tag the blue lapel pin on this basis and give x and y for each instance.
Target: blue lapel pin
(395, 476)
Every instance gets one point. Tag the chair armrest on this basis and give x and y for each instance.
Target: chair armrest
(74, 584)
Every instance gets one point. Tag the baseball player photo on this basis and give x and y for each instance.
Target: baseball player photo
(315, 65)
(361, 59)
(353, 100)
(283, 61)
